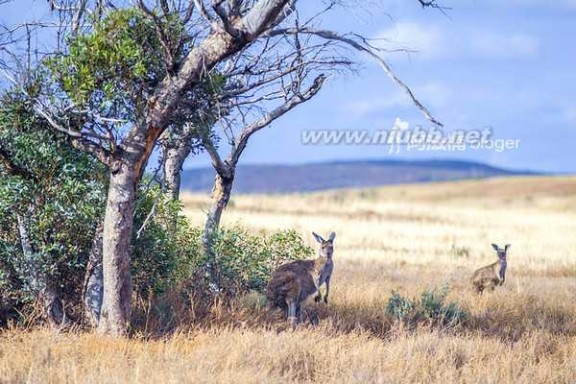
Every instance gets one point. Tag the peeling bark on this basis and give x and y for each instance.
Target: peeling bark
(55, 309)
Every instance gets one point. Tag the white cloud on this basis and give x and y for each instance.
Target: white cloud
(434, 41)
(434, 94)
(489, 44)
(427, 40)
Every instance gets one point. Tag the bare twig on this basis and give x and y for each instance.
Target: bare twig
(292, 103)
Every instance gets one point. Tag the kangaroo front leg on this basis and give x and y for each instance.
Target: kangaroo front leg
(299, 313)
(318, 296)
(327, 290)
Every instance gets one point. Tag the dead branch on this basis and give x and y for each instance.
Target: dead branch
(330, 35)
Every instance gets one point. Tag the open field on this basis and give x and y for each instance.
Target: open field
(423, 224)
(404, 239)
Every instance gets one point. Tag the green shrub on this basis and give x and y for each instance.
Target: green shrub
(245, 261)
(58, 192)
(434, 307)
(431, 307)
(399, 307)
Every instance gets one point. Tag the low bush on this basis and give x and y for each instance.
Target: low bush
(431, 308)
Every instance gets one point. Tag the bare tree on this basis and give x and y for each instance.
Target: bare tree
(256, 80)
(226, 168)
(264, 84)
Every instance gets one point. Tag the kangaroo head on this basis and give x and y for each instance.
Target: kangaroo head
(326, 246)
(501, 251)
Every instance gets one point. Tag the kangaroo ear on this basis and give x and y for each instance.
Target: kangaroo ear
(507, 247)
(495, 247)
(332, 236)
(318, 237)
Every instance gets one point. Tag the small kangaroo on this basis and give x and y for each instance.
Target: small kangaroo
(490, 276)
(292, 283)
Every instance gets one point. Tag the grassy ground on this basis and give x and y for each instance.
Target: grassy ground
(405, 239)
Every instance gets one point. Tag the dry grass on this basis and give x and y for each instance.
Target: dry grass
(407, 239)
(263, 356)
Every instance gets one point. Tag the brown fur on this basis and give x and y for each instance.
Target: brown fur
(292, 282)
(490, 276)
(486, 277)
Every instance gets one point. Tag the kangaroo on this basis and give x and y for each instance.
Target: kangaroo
(292, 283)
(326, 264)
(490, 276)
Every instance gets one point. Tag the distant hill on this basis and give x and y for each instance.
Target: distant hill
(343, 174)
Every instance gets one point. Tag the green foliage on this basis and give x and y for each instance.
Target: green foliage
(163, 243)
(170, 251)
(118, 62)
(172, 265)
(431, 307)
(57, 191)
(60, 194)
(432, 303)
(399, 306)
(245, 261)
(111, 73)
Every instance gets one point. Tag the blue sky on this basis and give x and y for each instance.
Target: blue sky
(506, 64)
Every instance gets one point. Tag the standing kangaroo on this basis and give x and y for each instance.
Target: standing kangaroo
(292, 283)
(490, 276)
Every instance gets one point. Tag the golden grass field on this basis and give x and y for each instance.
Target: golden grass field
(402, 238)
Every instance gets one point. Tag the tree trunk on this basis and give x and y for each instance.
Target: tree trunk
(118, 223)
(175, 154)
(220, 197)
(93, 282)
